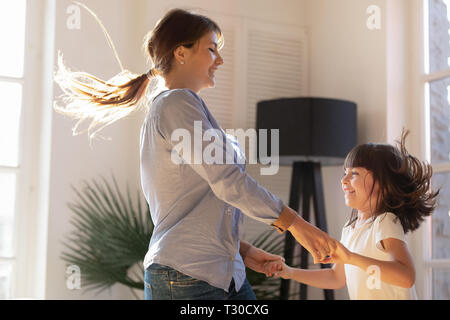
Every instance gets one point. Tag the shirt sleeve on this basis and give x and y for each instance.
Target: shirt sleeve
(184, 111)
(388, 226)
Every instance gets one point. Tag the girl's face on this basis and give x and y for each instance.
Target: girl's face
(201, 62)
(357, 186)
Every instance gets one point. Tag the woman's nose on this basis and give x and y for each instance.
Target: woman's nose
(219, 60)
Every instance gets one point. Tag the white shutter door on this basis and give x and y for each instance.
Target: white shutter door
(277, 67)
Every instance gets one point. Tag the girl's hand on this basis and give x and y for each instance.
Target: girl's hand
(270, 267)
(276, 269)
(341, 255)
(256, 259)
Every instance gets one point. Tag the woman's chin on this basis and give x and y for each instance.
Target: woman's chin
(349, 204)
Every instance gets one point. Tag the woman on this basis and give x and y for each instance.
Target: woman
(195, 251)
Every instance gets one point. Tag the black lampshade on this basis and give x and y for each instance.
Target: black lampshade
(311, 129)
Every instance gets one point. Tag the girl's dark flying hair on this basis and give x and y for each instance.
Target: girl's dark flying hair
(404, 181)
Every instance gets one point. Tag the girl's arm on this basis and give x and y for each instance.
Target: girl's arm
(333, 278)
(399, 271)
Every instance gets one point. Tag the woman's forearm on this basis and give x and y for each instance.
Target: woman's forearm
(323, 278)
(244, 248)
(392, 272)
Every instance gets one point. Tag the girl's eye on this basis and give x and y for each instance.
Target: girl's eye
(212, 50)
(354, 173)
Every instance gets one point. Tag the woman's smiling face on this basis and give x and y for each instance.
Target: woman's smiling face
(202, 62)
(357, 184)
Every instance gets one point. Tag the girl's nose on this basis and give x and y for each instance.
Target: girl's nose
(344, 179)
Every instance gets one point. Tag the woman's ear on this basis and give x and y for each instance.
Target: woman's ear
(180, 54)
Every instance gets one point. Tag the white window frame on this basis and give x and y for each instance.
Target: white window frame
(419, 18)
(32, 181)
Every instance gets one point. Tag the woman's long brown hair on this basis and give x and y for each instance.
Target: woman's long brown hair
(86, 97)
(404, 181)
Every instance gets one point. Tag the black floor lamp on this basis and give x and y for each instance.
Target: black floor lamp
(313, 132)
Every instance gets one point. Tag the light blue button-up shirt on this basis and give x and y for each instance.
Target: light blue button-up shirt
(197, 207)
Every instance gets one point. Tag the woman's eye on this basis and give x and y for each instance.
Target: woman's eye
(212, 50)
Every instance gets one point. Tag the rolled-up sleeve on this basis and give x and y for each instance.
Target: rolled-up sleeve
(183, 110)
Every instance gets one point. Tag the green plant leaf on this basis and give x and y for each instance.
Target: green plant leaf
(109, 236)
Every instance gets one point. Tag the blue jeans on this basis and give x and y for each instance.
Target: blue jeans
(164, 283)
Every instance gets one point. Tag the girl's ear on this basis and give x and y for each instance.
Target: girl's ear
(376, 185)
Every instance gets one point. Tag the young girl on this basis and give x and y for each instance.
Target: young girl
(389, 191)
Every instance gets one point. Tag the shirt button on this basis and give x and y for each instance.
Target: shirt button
(232, 258)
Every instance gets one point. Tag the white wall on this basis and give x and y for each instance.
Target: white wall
(348, 61)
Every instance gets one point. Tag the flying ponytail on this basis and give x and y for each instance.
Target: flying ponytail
(88, 98)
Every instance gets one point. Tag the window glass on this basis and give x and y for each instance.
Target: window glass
(441, 217)
(5, 280)
(438, 34)
(441, 284)
(10, 109)
(440, 120)
(7, 208)
(12, 33)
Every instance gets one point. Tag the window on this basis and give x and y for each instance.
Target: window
(436, 86)
(12, 33)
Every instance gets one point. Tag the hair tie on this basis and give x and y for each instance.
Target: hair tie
(153, 72)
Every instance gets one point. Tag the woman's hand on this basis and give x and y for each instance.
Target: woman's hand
(256, 258)
(317, 242)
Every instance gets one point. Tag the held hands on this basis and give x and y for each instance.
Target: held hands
(277, 269)
(257, 258)
(317, 242)
(340, 255)
(322, 247)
